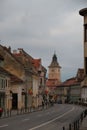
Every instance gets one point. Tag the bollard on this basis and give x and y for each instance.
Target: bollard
(78, 125)
(69, 126)
(85, 113)
(74, 126)
(63, 128)
(81, 117)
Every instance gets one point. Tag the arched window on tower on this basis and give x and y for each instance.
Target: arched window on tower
(85, 35)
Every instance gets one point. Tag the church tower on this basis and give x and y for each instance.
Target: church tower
(54, 75)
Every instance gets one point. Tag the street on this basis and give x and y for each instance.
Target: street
(53, 118)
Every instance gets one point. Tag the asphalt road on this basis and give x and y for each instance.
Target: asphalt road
(53, 118)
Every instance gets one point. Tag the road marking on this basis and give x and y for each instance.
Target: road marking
(3, 126)
(26, 119)
(46, 123)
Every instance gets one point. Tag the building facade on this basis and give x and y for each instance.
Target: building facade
(54, 70)
(54, 75)
(83, 12)
(54, 78)
(35, 75)
(70, 90)
(5, 96)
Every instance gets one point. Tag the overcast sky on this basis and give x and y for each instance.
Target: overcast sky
(41, 27)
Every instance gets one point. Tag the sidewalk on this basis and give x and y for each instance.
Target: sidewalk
(9, 113)
(84, 124)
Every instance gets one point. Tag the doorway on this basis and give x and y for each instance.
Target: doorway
(14, 101)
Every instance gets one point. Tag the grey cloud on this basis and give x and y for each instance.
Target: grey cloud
(43, 26)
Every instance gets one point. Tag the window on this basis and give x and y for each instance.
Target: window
(86, 65)
(85, 33)
(3, 83)
(52, 70)
(41, 81)
(0, 83)
(6, 82)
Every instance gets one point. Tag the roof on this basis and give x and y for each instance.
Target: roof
(70, 82)
(9, 51)
(24, 59)
(36, 63)
(3, 71)
(15, 79)
(80, 74)
(85, 86)
(27, 60)
(52, 82)
(81, 70)
(12, 77)
(44, 69)
(83, 12)
(54, 62)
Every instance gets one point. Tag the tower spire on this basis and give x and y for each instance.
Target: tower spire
(54, 62)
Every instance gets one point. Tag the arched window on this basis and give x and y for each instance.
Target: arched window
(85, 33)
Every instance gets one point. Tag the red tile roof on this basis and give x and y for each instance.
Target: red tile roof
(36, 63)
(52, 82)
(70, 82)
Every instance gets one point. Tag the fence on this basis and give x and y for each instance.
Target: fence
(76, 124)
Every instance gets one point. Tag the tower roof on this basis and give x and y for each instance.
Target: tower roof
(54, 62)
(83, 12)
